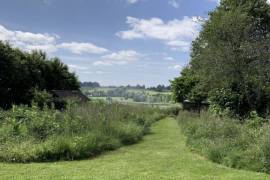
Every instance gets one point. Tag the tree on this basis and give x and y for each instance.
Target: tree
(187, 87)
(22, 73)
(232, 52)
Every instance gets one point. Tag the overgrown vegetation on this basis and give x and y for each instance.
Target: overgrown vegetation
(229, 68)
(31, 134)
(227, 141)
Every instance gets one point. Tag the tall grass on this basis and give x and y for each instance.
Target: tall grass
(30, 134)
(223, 140)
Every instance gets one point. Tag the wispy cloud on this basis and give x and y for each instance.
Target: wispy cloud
(169, 58)
(75, 67)
(175, 33)
(176, 67)
(29, 41)
(132, 1)
(80, 48)
(174, 3)
(118, 58)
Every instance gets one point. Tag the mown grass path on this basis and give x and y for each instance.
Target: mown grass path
(161, 155)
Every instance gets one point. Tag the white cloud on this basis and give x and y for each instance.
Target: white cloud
(80, 48)
(174, 3)
(49, 48)
(132, 1)
(46, 42)
(128, 55)
(169, 58)
(119, 58)
(183, 46)
(184, 30)
(76, 67)
(26, 37)
(216, 1)
(176, 67)
(29, 41)
(157, 29)
(102, 63)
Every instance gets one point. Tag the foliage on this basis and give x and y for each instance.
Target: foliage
(22, 72)
(31, 134)
(90, 84)
(227, 141)
(187, 87)
(232, 54)
(42, 98)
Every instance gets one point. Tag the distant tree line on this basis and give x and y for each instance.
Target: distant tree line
(158, 88)
(136, 96)
(230, 60)
(24, 75)
(90, 84)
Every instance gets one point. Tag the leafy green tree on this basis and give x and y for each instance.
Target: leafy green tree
(22, 72)
(187, 87)
(233, 51)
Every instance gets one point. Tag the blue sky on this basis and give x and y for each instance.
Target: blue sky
(114, 42)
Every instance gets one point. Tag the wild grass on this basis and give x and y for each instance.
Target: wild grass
(161, 155)
(35, 135)
(241, 145)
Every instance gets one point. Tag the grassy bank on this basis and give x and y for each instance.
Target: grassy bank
(30, 134)
(244, 145)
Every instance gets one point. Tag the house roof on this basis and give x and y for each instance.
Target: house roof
(65, 94)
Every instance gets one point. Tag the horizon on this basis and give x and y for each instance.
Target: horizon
(135, 42)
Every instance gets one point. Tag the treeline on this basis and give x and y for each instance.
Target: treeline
(230, 64)
(136, 96)
(158, 88)
(90, 84)
(24, 75)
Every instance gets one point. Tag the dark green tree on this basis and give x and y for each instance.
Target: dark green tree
(22, 74)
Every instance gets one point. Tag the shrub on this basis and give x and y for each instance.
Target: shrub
(42, 98)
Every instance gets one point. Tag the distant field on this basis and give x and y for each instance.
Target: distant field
(106, 89)
(99, 89)
(129, 95)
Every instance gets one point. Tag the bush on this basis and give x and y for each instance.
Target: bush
(30, 134)
(42, 98)
(224, 140)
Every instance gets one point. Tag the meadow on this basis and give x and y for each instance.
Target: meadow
(30, 134)
(160, 155)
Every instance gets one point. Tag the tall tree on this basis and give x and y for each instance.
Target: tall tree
(233, 52)
(21, 74)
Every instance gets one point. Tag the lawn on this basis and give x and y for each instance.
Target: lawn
(161, 155)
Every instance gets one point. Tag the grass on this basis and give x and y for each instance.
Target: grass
(224, 140)
(161, 155)
(81, 131)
